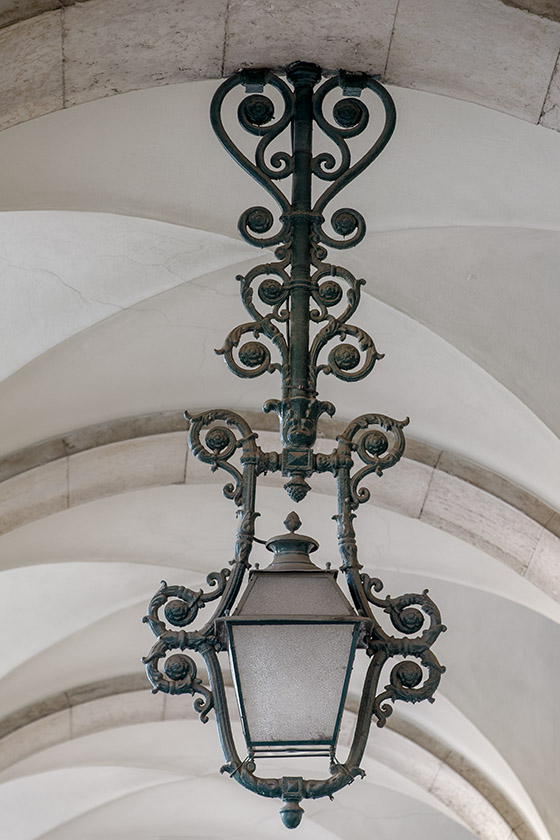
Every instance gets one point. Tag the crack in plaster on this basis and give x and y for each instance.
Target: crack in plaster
(62, 282)
(205, 351)
(214, 290)
(139, 307)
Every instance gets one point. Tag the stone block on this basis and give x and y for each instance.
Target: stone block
(124, 428)
(180, 707)
(402, 488)
(495, 484)
(30, 457)
(544, 569)
(31, 60)
(487, 788)
(419, 736)
(553, 524)
(105, 688)
(37, 736)
(114, 711)
(459, 795)
(416, 450)
(550, 116)
(23, 717)
(13, 11)
(33, 494)
(474, 50)
(270, 34)
(406, 757)
(153, 461)
(138, 44)
(481, 519)
(523, 832)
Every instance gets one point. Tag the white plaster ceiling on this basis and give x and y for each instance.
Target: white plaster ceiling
(449, 163)
(118, 254)
(64, 272)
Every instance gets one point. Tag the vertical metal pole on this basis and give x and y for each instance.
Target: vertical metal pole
(304, 77)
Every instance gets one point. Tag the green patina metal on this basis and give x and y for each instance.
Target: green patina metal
(309, 303)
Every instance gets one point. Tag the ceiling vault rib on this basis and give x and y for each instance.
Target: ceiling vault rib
(167, 422)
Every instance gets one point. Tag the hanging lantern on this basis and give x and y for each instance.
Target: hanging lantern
(292, 636)
(291, 645)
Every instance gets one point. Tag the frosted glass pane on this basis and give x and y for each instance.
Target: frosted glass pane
(275, 593)
(291, 679)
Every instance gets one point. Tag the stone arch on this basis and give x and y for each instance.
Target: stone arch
(438, 488)
(60, 54)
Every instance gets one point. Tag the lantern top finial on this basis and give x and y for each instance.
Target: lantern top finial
(292, 522)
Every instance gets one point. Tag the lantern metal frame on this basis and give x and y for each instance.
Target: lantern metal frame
(299, 290)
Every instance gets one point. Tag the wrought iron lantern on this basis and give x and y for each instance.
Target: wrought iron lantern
(293, 634)
(291, 642)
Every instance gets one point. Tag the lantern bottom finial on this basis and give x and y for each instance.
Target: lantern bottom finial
(291, 814)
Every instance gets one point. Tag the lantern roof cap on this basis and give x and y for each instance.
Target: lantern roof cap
(291, 551)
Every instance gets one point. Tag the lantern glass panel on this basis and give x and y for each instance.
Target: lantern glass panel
(291, 679)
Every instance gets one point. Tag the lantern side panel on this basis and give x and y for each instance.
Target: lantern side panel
(291, 680)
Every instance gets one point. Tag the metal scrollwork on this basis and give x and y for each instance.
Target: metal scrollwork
(411, 681)
(378, 449)
(351, 118)
(254, 356)
(404, 613)
(184, 608)
(214, 437)
(301, 229)
(220, 443)
(349, 362)
(299, 308)
(179, 675)
(345, 358)
(256, 115)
